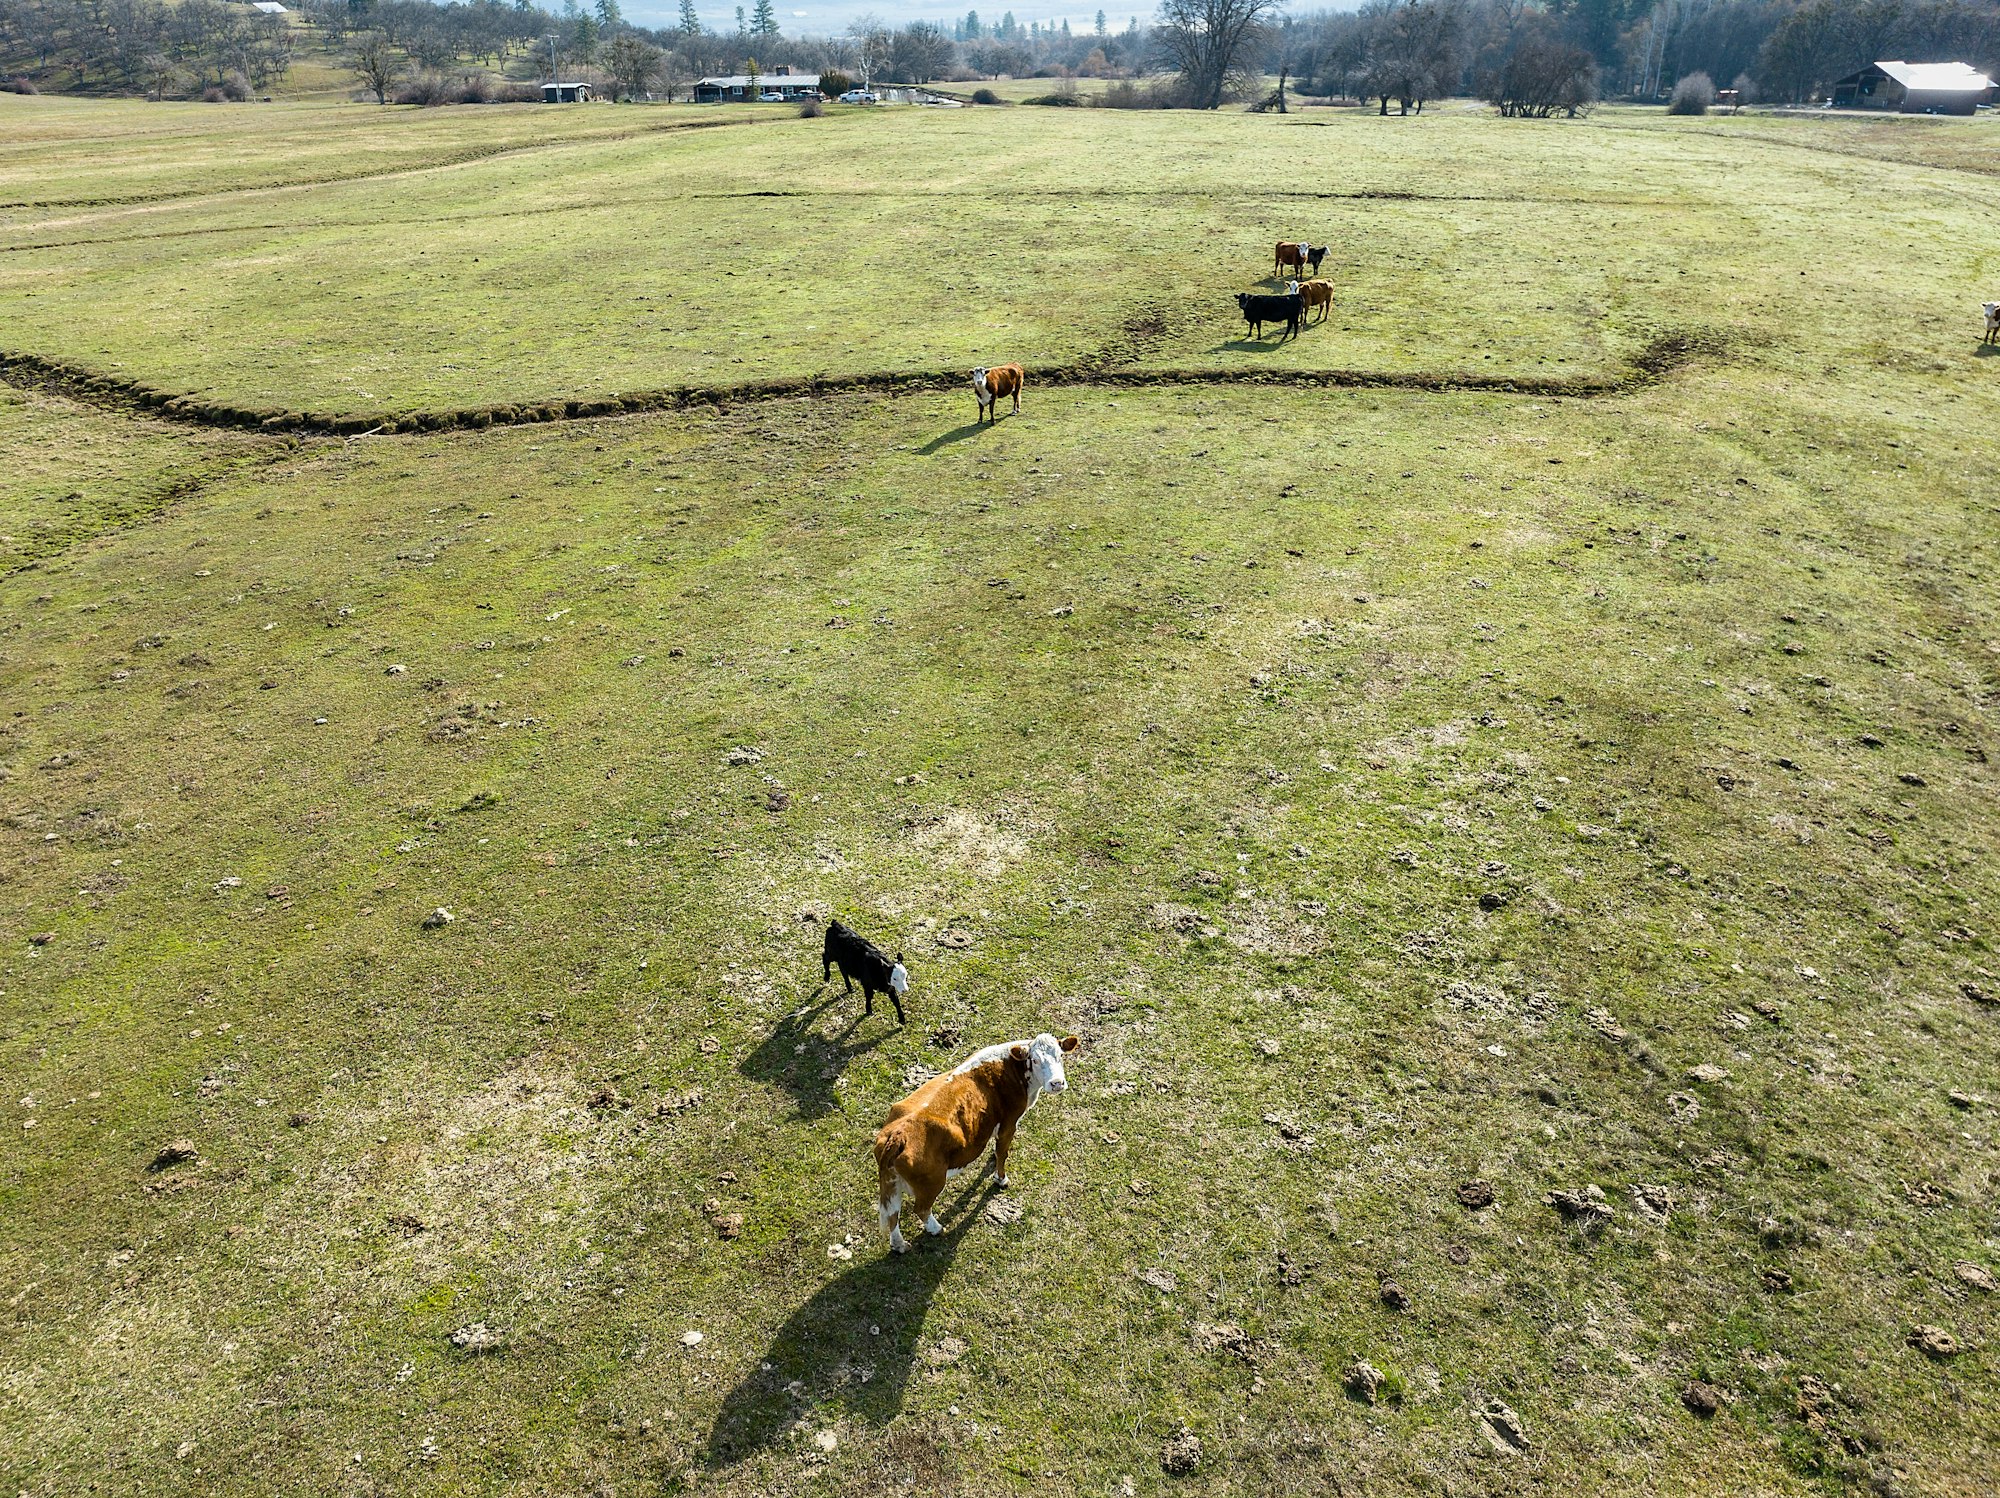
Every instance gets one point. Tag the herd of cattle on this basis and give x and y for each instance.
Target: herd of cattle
(1303, 292)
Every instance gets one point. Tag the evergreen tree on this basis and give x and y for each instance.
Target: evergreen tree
(1100, 25)
(973, 30)
(609, 18)
(1008, 28)
(690, 22)
(742, 29)
(764, 20)
(583, 37)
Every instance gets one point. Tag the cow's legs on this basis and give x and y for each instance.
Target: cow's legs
(869, 994)
(1002, 1143)
(923, 1192)
(1017, 400)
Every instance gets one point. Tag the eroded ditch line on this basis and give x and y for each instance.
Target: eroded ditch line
(1661, 357)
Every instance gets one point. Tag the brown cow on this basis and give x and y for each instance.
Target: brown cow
(941, 1129)
(990, 385)
(1298, 257)
(1318, 294)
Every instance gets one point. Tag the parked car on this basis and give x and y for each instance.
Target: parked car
(857, 96)
(770, 96)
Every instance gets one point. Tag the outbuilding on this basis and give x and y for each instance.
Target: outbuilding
(565, 93)
(1914, 88)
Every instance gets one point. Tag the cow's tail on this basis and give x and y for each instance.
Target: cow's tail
(889, 1184)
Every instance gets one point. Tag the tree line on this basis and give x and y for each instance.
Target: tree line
(1529, 57)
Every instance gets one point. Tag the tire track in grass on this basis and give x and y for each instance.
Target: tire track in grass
(1664, 354)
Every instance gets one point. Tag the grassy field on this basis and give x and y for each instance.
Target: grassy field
(902, 240)
(1395, 788)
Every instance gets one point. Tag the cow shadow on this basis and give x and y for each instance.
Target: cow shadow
(847, 1352)
(1986, 351)
(1262, 345)
(944, 440)
(807, 1063)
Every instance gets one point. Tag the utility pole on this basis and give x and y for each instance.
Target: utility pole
(554, 76)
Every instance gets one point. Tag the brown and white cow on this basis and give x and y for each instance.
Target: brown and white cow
(940, 1130)
(991, 386)
(1298, 256)
(1316, 293)
(1992, 311)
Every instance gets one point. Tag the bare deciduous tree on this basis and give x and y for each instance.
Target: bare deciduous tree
(633, 63)
(1546, 74)
(377, 62)
(1215, 45)
(1414, 50)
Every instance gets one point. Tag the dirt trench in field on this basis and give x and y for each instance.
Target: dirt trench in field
(1665, 354)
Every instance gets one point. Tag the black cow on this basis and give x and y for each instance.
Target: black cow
(1260, 307)
(858, 957)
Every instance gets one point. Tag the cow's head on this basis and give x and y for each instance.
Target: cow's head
(1044, 1057)
(979, 380)
(1991, 309)
(1242, 299)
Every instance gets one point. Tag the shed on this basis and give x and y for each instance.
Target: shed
(738, 88)
(565, 93)
(1914, 88)
(269, 7)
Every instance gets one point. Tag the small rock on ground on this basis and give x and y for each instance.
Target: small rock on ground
(1475, 1195)
(1975, 1275)
(1180, 1453)
(1934, 1342)
(177, 1153)
(1701, 1399)
(437, 918)
(1502, 1429)
(1586, 1208)
(1363, 1380)
(1655, 1203)
(1163, 1280)
(477, 1338)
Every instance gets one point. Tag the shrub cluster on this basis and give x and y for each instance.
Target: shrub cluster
(1692, 95)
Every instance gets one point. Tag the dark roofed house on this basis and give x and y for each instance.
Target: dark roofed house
(1914, 88)
(739, 88)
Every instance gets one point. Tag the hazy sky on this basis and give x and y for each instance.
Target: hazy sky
(833, 16)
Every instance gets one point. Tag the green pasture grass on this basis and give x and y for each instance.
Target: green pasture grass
(71, 475)
(1915, 140)
(1392, 789)
(910, 240)
(63, 154)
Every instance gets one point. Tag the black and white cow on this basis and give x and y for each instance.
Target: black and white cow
(858, 958)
